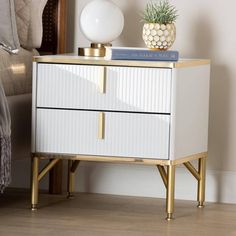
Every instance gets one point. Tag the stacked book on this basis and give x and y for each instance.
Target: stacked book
(141, 54)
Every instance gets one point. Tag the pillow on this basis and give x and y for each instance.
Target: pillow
(22, 9)
(9, 40)
(29, 22)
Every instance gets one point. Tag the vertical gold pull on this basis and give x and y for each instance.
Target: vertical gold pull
(102, 85)
(101, 125)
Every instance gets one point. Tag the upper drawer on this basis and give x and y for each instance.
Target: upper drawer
(104, 88)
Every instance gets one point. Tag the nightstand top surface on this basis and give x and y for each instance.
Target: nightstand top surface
(74, 59)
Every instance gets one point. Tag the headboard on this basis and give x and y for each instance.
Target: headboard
(54, 27)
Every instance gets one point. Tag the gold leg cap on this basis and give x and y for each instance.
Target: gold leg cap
(34, 207)
(70, 196)
(200, 205)
(169, 216)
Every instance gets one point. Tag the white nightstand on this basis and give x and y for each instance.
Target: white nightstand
(153, 113)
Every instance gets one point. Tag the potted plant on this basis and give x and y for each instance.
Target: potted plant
(159, 30)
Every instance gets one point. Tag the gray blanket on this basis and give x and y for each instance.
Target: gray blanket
(5, 141)
(16, 71)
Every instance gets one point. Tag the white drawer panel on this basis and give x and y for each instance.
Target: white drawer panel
(126, 134)
(127, 88)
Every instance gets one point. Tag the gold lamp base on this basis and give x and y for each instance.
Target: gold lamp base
(96, 50)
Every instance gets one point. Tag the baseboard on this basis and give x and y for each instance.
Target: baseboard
(145, 181)
(137, 180)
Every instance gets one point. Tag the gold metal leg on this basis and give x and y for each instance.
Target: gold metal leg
(47, 168)
(163, 174)
(170, 191)
(201, 182)
(192, 170)
(34, 195)
(72, 166)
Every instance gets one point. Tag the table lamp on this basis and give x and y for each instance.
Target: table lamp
(101, 22)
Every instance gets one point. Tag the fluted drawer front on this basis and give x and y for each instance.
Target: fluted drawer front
(124, 88)
(125, 134)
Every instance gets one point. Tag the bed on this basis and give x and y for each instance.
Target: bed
(17, 76)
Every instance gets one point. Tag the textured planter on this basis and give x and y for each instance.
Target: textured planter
(159, 36)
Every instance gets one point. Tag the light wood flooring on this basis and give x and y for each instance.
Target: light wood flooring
(106, 215)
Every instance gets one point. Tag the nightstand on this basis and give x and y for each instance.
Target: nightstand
(151, 113)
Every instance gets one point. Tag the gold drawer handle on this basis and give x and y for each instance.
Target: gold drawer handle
(101, 125)
(103, 75)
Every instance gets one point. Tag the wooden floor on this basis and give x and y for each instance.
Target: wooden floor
(105, 215)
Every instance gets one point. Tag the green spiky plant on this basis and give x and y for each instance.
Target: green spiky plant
(161, 12)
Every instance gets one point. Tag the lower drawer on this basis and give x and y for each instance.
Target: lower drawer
(105, 134)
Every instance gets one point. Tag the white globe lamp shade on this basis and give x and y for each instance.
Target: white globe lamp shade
(101, 21)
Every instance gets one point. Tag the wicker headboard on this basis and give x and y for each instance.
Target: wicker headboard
(54, 27)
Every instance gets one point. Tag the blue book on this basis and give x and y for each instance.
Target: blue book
(141, 54)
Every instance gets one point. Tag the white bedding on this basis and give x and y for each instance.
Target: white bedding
(16, 71)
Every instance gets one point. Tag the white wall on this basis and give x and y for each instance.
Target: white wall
(205, 29)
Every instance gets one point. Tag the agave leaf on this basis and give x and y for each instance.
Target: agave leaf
(161, 12)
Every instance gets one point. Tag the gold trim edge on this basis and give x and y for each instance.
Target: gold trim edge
(192, 63)
(99, 61)
(121, 160)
